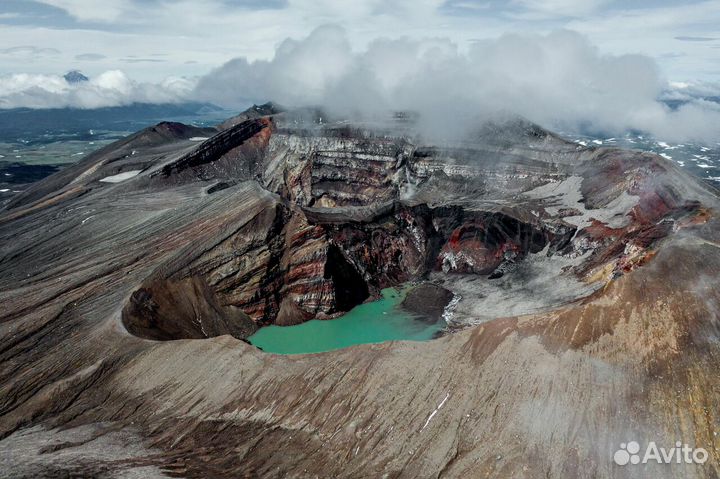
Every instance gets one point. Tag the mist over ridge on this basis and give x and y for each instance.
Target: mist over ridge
(559, 80)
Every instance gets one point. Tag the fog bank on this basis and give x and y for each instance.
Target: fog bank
(559, 80)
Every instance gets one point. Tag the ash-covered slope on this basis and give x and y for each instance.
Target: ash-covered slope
(588, 277)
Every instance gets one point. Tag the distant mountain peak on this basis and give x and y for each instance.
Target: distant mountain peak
(75, 76)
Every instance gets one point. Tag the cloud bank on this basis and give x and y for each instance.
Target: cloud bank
(112, 88)
(559, 80)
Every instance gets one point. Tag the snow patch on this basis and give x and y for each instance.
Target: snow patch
(567, 194)
(666, 146)
(120, 177)
(449, 310)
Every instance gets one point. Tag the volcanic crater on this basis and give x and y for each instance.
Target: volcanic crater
(554, 254)
(509, 221)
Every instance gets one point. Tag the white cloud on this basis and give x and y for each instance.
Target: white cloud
(112, 88)
(555, 79)
(197, 36)
(697, 120)
(192, 37)
(558, 80)
(698, 89)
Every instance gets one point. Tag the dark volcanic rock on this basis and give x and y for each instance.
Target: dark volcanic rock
(350, 288)
(125, 300)
(153, 142)
(75, 76)
(254, 112)
(220, 151)
(185, 309)
(428, 301)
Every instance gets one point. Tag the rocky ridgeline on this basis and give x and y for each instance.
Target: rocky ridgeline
(344, 225)
(591, 274)
(357, 212)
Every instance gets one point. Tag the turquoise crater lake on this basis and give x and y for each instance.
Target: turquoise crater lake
(375, 322)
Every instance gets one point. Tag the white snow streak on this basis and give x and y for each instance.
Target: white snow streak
(435, 411)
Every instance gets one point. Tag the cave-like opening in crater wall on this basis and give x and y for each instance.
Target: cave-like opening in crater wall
(349, 286)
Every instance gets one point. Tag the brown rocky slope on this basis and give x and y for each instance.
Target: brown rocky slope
(586, 316)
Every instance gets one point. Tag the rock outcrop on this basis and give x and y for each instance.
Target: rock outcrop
(428, 301)
(585, 311)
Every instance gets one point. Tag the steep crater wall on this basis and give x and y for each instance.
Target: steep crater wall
(289, 265)
(339, 233)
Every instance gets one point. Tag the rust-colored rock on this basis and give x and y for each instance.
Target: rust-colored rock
(586, 314)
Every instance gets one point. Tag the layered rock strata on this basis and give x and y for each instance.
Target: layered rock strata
(588, 310)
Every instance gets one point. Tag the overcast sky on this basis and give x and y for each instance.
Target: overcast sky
(605, 65)
(153, 39)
